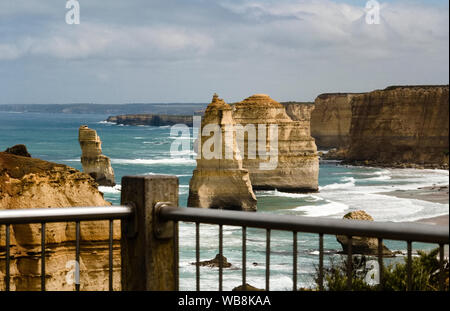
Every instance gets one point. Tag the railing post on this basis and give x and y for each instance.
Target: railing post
(148, 261)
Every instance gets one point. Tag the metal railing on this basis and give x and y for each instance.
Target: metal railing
(150, 240)
(52, 215)
(409, 232)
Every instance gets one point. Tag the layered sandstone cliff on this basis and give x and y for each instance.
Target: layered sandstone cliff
(94, 162)
(401, 126)
(32, 183)
(219, 181)
(297, 166)
(331, 119)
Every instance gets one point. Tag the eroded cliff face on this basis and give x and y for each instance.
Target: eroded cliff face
(331, 119)
(297, 167)
(94, 162)
(219, 181)
(401, 125)
(32, 183)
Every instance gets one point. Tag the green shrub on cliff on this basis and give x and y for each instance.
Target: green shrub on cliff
(425, 274)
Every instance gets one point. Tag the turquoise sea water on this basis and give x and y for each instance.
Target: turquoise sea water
(146, 150)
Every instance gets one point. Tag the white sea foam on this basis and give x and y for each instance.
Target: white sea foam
(106, 122)
(71, 160)
(348, 182)
(328, 209)
(168, 161)
(115, 189)
(379, 178)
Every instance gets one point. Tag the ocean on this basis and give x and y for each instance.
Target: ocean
(140, 150)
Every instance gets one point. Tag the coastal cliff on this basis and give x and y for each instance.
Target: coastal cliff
(94, 162)
(297, 166)
(150, 119)
(331, 119)
(220, 181)
(402, 126)
(32, 183)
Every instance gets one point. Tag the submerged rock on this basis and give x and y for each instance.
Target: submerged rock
(94, 162)
(361, 245)
(297, 164)
(215, 262)
(220, 181)
(32, 183)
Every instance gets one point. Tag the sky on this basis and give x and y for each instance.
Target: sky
(145, 51)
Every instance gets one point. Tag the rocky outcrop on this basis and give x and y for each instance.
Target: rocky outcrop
(151, 119)
(331, 119)
(219, 181)
(299, 111)
(361, 245)
(94, 162)
(246, 288)
(20, 150)
(400, 126)
(32, 183)
(297, 166)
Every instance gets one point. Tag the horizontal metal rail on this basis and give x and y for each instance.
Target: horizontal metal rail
(386, 230)
(66, 214)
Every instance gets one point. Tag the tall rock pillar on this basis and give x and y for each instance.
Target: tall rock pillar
(219, 181)
(94, 162)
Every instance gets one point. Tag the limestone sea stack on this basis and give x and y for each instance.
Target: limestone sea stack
(401, 126)
(361, 245)
(220, 181)
(331, 119)
(297, 168)
(94, 162)
(32, 183)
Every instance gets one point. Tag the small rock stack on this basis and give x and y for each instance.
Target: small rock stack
(94, 162)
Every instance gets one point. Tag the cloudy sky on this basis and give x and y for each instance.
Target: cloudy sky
(185, 50)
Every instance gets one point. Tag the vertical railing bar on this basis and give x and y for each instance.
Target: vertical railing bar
(349, 263)
(321, 261)
(244, 256)
(197, 255)
(267, 259)
(220, 257)
(294, 264)
(77, 256)
(177, 255)
(441, 267)
(8, 263)
(110, 259)
(43, 256)
(380, 262)
(409, 266)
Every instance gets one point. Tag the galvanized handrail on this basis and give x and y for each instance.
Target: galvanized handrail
(66, 214)
(416, 232)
